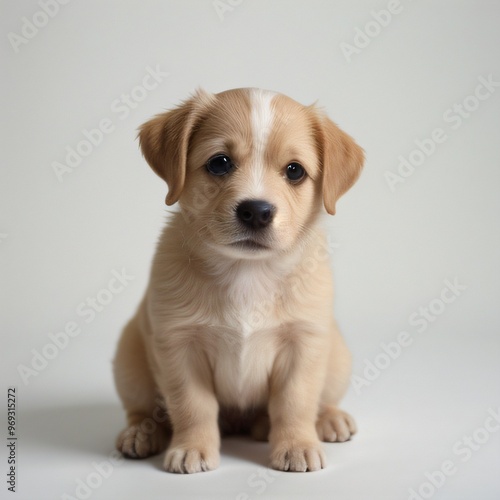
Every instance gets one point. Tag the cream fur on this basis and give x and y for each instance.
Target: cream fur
(241, 337)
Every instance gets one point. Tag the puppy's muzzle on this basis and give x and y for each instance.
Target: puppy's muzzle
(255, 214)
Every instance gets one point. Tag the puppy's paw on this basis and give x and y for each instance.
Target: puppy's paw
(136, 442)
(186, 460)
(298, 457)
(334, 425)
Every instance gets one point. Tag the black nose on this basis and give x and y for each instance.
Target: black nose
(255, 214)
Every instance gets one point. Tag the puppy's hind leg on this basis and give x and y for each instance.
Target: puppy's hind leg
(334, 424)
(147, 428)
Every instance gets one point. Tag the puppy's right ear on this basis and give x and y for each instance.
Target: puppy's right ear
(164, 141)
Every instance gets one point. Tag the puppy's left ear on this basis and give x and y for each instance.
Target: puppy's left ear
(342, 160)
(164, 141)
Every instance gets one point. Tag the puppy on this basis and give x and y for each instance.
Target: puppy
(236, 331)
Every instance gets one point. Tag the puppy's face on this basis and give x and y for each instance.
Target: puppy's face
(250, 168)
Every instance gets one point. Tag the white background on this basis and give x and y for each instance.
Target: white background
(61, 240)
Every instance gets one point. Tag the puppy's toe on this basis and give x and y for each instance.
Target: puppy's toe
(335, 425)
(190, 460)
(298, 457)
(135, 442)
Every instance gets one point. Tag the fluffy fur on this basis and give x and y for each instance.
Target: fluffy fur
(234, 336)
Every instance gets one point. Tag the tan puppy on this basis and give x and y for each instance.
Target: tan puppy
(236, 330)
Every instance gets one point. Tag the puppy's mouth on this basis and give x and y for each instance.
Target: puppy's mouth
(249, 244)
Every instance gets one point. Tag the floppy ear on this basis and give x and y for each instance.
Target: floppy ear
(164, 141)
(342, 160)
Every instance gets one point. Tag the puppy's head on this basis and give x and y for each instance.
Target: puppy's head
(250, 168)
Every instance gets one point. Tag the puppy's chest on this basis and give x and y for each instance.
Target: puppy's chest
(246, 343)
(242, 362)
(252, 303)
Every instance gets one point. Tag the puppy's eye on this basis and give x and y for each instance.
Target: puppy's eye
(295, 172)
(219, 165)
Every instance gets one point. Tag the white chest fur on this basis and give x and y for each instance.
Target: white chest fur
(242, 366)
(245, 342)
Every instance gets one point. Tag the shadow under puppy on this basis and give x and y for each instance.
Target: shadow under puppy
(236, 329)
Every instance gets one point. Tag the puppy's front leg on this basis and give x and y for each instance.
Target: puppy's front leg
(187, 385)
(296, 382)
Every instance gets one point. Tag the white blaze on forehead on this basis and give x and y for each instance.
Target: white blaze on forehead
(262, 119)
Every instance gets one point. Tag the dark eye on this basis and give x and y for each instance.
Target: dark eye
(219, 165)
(295, 172)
